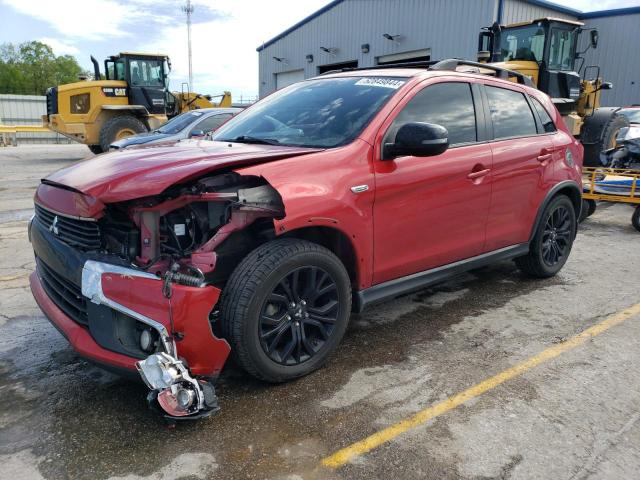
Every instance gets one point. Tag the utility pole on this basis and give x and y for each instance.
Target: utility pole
(188, 9)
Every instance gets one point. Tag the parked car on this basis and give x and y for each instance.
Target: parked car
(196, 123)
(323, 198)
(633, 115)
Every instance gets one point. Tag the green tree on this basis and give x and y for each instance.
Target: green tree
(31, 67)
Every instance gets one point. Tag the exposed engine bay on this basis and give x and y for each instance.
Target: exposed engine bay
(188, 224)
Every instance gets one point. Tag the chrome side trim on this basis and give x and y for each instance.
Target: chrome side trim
(359, 188)
(92, 289)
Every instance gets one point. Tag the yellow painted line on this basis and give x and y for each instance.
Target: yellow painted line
(341, 457)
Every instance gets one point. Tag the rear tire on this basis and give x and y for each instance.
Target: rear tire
(119, 127)
(285, 309)
(635, 218)
(588, 209)
(552, 242)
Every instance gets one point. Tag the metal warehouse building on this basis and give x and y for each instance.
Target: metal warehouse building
(365, 33)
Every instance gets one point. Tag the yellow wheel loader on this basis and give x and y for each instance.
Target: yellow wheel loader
(547, 50)
(132, 98)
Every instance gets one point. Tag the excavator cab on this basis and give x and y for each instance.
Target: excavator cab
(147, 78)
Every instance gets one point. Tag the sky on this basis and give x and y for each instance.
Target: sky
(225, 33)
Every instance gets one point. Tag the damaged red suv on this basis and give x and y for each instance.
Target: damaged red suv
(323, 198)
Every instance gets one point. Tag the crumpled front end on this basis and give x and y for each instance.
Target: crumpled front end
(134, 286)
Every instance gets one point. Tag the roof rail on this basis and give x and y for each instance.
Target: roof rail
(452, 64)
(422, 64)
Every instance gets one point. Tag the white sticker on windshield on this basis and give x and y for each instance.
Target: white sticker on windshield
(381, 82)
(197, 114)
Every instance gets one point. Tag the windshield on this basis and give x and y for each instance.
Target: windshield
(632, 114)
(180, 122)
(324, 113)
(522, 43)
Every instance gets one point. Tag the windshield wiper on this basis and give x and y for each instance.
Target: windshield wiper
(256, 140)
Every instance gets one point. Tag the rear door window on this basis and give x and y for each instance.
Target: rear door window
(547, 124)
(446, 104)
(510, 113)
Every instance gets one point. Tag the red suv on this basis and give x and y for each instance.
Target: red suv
(321, 199)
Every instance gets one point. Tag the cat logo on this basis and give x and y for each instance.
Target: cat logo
(114, 91)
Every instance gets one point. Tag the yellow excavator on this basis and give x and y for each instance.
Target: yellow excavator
(132, 97)
(547, 50)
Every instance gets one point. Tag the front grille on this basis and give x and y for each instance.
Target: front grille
(84, 234)
(65, 294)
(52, 101)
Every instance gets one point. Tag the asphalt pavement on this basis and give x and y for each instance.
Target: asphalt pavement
(489, 376)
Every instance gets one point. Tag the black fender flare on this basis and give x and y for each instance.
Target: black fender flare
(568, 187)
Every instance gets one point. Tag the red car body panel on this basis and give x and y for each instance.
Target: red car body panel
(414, 194)
(138, 173)
(320, 195)
(416, 213)
(190, 308)
(68, 202)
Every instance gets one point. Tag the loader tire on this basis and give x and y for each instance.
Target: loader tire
(119, 127)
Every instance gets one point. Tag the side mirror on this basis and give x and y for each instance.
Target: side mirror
(196, 133)
(594, 38)
(418, 139)
(606, 86)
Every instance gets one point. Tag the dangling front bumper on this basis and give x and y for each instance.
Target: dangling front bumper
(101, 308)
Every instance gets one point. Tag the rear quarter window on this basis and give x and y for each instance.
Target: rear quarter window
(547, 123)
(510, 113)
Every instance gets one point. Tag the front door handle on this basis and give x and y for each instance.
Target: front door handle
(478, 173)
(545, 157)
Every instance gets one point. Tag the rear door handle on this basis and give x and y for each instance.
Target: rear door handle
(544, 157)
(478, 173)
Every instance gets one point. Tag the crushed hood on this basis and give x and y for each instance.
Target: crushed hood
(141, 172)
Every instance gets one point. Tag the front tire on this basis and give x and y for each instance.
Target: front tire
(552, 242)
(285, 309)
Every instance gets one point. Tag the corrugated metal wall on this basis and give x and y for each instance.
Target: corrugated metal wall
(448, 27)
(515, 11)
(618, 55)
(27, 110)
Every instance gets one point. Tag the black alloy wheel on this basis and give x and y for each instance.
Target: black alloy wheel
(299, 315)
(553, 237)
(557, 236)
(285, 309)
